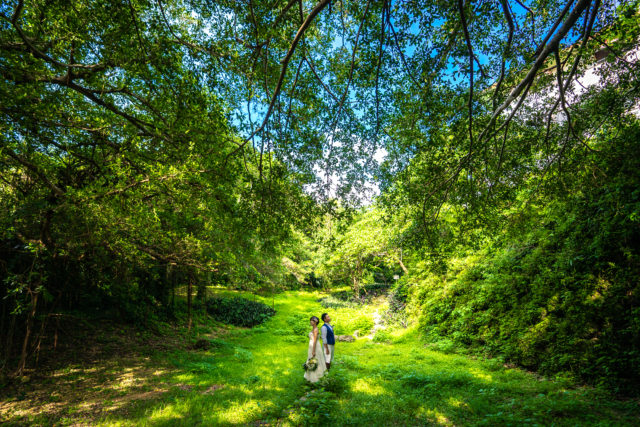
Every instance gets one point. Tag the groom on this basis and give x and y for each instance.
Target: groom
(328, 339)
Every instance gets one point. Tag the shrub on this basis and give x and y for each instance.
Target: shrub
(243, 355)
(335, 383)
(316, 408)
(396, 315)
(447, 379)
(349, 362)
(382, 336)
(558, 292)
(239, 311)
(348, 324)
(341, 299)
(299, 324)
(375, 289)
(334, 302)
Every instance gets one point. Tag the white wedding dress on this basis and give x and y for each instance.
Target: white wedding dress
(314, 376)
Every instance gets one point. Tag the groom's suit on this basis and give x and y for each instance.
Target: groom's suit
(329, 339)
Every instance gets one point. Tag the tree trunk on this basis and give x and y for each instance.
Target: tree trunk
(357, 276)
(356, 286)
(204, 299)
(55, 335)
(3, 319)
(27, 335)
(189, 289)
(173, 289)
(202, 291)
(39, 340)
(402, 265)
(9, 340)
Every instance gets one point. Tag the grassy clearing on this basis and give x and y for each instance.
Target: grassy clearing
(254, 376)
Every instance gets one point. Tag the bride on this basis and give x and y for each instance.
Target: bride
(314, 376)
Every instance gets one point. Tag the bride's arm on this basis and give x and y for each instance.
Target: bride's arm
(315, 341)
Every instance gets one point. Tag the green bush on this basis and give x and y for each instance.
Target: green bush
(440, 380)
(382, 336)
(396, 315)
(375, 289)
(340, 299)
(243, 355)
(316, 408)
(335, 382)
(559, 292)
(333, 302)
(299, 324)
(348, 323)
(239, 311)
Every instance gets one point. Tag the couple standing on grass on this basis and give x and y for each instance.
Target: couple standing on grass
(325, 354)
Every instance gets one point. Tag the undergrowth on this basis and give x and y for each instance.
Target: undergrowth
(253, 376)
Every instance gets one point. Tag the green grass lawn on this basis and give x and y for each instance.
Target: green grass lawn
(255, 377)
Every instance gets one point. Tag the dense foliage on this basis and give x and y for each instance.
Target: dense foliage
(239, 311)
(119, 183)
(561, 296)
(555, 290)
(150, 149)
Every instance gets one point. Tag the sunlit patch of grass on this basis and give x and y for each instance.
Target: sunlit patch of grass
(368, 387)
(255, 375)
(437, 417)
(482, 375)
(240, 412)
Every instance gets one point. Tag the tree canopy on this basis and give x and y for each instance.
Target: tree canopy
(149, 144)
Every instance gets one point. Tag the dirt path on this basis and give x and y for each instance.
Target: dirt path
(377, 324)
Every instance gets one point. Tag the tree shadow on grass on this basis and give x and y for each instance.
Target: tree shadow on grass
(223, 386)
(84, 392)
(406, 395)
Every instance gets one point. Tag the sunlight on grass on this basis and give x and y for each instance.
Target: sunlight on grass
(241, 412)
(458, 403)
(253, 376)
(164, 415)
(438, 417)
(481, 375)
(185, 377)
(368, 387)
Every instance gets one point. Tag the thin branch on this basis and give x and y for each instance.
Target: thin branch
(195, 47)
(35, 169)
(402, 57)
(37, 52)
(313, 70)
(589, 20)
(442, 58)
(380, 53)
(135, 22)
(285, 62)
(140, 124)
(526, 82)
(465, 30)
(449, 181)
(617, 54)
(523, 96)
(480, 67)
(555, 25)
(353, 60)
(283, 12)
(344, 94)
(509, 18)
(291, 92)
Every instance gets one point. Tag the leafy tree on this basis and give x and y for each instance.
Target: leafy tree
(369, 242)
(118, 179)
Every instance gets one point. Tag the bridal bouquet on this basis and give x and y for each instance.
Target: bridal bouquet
(311, 364)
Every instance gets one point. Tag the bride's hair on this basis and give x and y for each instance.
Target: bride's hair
(315, 319)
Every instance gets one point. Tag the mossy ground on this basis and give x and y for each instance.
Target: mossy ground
(254, 377)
